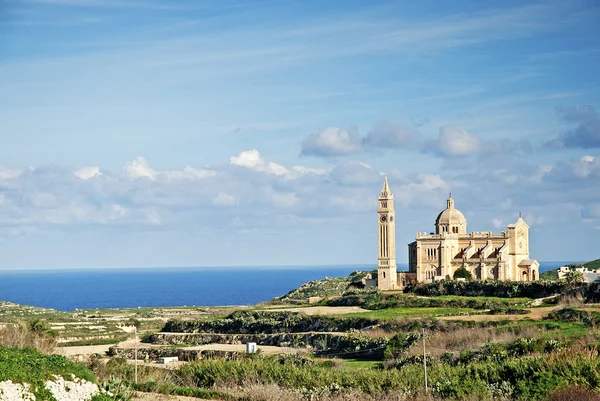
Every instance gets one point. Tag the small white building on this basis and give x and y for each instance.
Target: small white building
(167, 359)
(251, 348)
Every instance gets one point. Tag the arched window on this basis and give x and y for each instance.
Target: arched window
(382, 274)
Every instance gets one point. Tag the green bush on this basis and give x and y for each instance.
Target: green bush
(461, 272)
(399, 344)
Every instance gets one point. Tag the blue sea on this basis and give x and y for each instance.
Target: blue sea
(67, 290)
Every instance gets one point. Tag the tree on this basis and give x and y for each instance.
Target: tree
(463, 273)
(574, 278)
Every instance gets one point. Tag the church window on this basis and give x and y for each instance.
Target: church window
(455, 230)
(383, 274)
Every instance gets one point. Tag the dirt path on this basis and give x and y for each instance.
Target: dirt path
(83, 350)
(141, 396)
(321, 310)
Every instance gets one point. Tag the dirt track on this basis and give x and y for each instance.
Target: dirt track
(322, 310)
(140, 396)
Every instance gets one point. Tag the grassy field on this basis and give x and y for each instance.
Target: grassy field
(395, 313)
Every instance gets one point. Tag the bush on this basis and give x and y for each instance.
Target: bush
(571, 315)
(461, 272)
(399, 344)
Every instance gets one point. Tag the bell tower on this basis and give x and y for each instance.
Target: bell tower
(386, 260)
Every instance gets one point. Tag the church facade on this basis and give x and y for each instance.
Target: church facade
(436, 256)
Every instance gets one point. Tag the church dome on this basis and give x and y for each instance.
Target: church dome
(451, 220)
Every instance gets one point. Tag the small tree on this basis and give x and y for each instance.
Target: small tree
(461, 272)
(574, 278)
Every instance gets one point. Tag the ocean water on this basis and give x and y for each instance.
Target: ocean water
(67, 290)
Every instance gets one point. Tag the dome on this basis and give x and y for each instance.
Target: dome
(451, 220)
(451, 216)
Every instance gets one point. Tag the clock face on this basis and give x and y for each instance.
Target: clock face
(383, 219)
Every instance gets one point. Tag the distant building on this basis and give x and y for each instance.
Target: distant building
(589, 276)
(435, 256)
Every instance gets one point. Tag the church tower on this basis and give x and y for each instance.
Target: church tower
(386, 261)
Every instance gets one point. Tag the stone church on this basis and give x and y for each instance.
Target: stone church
(436, 256)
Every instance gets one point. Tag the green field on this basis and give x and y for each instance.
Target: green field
(394, 313)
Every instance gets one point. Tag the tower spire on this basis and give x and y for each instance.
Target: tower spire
(385, 191)
(450, 202)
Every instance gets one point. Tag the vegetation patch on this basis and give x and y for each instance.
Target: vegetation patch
(375, 299)
(502, 289)
(27, 365)
(326, 287)
(255, 322)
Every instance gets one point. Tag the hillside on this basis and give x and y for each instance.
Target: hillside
(592, 265)
(553, 274)
(327, 287)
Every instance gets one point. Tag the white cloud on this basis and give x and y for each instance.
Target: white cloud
(139, 168)
(586, 166)
(432, 181)
(87, 173)
(284, 199)
(355, 174)
(252, 160)
(497, 223)
(153, 217)
(309, 170)
(223, 199)
(391, 135)
(454, 141)
(190, 173)
(118, 211)
(330, 142)
(6, 174)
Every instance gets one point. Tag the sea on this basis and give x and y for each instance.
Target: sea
(67, 290)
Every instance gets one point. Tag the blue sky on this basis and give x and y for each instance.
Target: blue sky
(193, 133)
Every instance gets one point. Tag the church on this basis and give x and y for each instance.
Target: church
(436, 256)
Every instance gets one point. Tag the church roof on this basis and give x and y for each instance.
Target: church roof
(450, 215)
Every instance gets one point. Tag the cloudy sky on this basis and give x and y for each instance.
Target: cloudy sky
(209, 133)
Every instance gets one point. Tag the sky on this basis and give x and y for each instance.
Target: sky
(251, 133)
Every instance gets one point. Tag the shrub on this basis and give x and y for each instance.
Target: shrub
(399, 344)
(461, 272)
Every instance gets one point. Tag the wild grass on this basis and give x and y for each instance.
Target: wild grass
(20, 335)
(438, 343)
